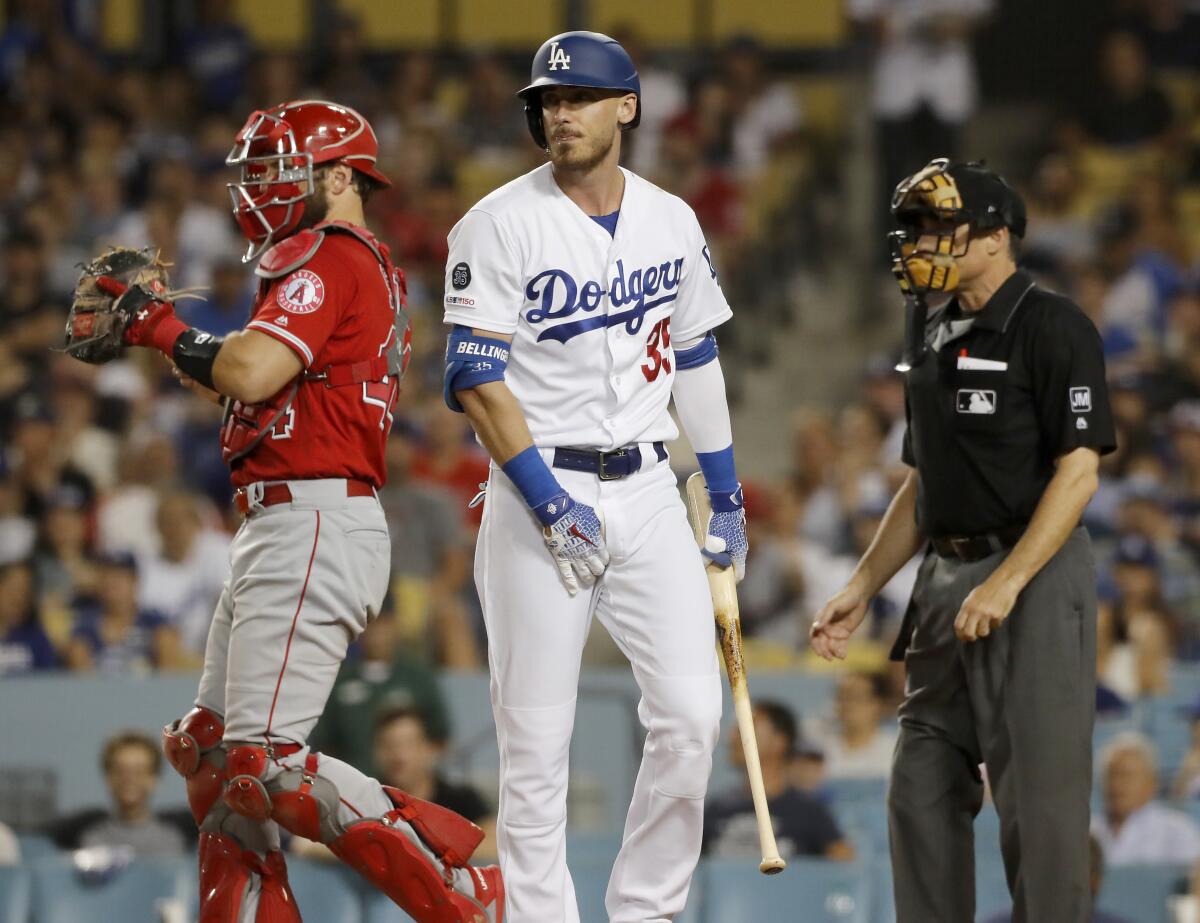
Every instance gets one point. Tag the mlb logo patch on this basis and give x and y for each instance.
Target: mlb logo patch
(1081, 400)
(976, 400)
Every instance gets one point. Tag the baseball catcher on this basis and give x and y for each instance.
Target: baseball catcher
(308, 387)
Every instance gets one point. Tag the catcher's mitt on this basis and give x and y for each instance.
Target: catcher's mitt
(100, 310)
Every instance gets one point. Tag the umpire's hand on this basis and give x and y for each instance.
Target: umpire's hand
(837, 620)
(985, 609)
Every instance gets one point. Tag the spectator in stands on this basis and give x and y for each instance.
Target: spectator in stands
(149, 463)
(217, 53)
(857, 745)
(803, 824)
(766, 111)
(489, 130)
(345, 74)
(39, 460)
(1060, 238)
(664, 96)
(1170, 32)
(64, 562)
(24, 645)
(1186, 783)
(30, 320)
(1128, 322)
(184, 580)
(383, 677)
(18, 533)
(114, 634)
(132, 764)
(1096, 856)
(1184, 423)
(1135, 827)
(775, 593)
(1124, 108)
(430, 562)
(923, 81)
(1137, 625)
(808, 768)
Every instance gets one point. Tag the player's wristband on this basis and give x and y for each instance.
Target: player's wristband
(720, 475)
(537, 484)
(194, 352)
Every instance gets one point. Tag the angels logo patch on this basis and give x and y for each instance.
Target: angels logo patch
(301, 293)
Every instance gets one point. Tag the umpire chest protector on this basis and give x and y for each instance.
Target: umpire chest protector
(245, 426)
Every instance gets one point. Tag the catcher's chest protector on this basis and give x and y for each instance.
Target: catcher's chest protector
(245, 426)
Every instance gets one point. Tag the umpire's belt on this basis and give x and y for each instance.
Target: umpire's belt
(608, 466)
(977, 547)
(272, 494)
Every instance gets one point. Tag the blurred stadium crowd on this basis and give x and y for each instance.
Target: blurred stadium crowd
(114, 503)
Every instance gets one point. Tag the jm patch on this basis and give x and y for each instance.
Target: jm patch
(460, 276)
(1081, 400)
(976, 400)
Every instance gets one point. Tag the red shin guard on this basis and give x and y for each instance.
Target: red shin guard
(225, 870)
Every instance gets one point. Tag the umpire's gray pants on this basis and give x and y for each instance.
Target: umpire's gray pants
(1021, 700)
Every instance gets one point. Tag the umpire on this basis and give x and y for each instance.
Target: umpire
(1008, 416)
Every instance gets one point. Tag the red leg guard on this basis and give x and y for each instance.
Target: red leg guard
(451, 836)
(225, 870)
(246, 793)
(397, 867)
(192, 746)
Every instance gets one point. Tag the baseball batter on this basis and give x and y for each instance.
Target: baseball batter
(581, 299)
(309, 384)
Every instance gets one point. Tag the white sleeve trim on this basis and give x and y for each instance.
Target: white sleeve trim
(696, 332)
(286, 336)
(702, 407)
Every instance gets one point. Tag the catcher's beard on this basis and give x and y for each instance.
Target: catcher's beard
(316, 204)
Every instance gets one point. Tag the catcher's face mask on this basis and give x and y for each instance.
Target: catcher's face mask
(929, 210)
(276, 175)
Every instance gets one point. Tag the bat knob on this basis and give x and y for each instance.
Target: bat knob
(772, 866)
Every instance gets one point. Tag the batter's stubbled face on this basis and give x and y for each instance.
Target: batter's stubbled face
(582, 123)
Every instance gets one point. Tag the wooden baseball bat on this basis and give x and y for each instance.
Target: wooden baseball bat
(722, 583)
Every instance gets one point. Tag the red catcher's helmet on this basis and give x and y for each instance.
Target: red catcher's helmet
(277, 150)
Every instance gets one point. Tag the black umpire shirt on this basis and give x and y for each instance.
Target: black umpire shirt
(996, 401)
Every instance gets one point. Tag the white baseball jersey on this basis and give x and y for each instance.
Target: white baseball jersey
(592, 315)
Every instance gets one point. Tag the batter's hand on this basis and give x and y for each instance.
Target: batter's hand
(836, 622)
(576, 541)
(726, 543)
(985, 609)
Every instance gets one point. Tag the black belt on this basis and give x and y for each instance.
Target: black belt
(977, 547)
(609, 466)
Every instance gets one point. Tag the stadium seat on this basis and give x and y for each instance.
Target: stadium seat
(129, 894)
(1138, 893)
(35, 846)
(813, 890)
(327, 891)
(14, 894)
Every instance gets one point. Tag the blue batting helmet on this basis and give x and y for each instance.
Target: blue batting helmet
(578, 59)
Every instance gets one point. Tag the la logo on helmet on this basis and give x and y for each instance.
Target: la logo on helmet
(559, 58)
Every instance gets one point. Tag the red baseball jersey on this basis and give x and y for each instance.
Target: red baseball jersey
(334, 309)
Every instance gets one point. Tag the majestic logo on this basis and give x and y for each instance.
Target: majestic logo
(460, 276)
(559, 58)
(301, 293)
(976, 401)
(1081, 400)
(559, 296)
